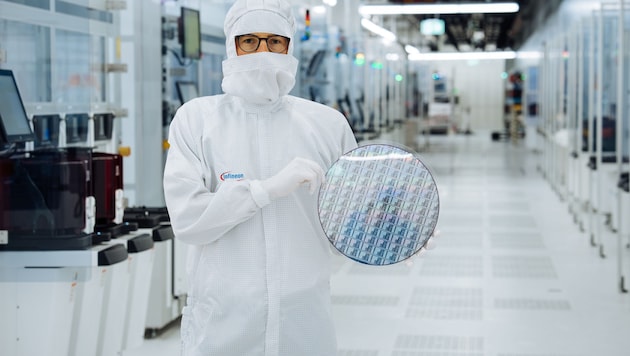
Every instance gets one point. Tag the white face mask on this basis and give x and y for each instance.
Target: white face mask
(259, 78)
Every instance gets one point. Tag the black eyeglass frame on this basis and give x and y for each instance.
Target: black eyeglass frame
(260, 39)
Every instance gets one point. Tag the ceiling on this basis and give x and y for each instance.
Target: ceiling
(467, 32)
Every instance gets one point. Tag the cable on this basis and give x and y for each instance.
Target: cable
(179, 59)
(9, 151)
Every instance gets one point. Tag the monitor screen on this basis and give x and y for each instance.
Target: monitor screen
(186, 91)
(12, 113)
(3, 135)
(190, 33)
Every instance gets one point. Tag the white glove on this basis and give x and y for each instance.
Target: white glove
(297, 172)
(429, 245)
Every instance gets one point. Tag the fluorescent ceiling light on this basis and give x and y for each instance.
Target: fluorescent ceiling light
(529, 54)
(428, 9)
(432, 27)
(446, 56)
(452, 56)
(411, 49)
(371, 26)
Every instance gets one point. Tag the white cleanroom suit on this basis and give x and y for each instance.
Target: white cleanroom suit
(258, 265)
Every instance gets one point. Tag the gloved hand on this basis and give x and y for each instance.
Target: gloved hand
(429, 245)
(297, 172)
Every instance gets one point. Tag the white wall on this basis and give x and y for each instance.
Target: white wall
(478, 85)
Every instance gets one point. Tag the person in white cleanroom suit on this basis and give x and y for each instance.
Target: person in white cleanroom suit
(239, 183)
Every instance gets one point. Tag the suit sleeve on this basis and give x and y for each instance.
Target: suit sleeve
(348, 140)
(198, 215)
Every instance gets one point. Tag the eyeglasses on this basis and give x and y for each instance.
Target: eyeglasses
(250, 43)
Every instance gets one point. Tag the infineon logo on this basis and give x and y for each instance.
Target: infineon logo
(231, 176)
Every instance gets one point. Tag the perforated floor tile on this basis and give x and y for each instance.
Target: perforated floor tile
(452, 266)
(512, 221)
(357, 353)
(511, 206)
(523, 267)
(396, 269)
(365, 300)
(461, 240)
(531, 304)
(446, 303)
(516, 240)
(446, 343)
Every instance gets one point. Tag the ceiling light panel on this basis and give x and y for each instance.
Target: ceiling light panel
(429, 9)
(374, 28)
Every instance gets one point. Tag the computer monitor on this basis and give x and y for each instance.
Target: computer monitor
(3, 135)
(186, 91)
(12, 114)
(190, 33)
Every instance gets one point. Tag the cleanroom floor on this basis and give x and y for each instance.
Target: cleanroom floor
(511, 273)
